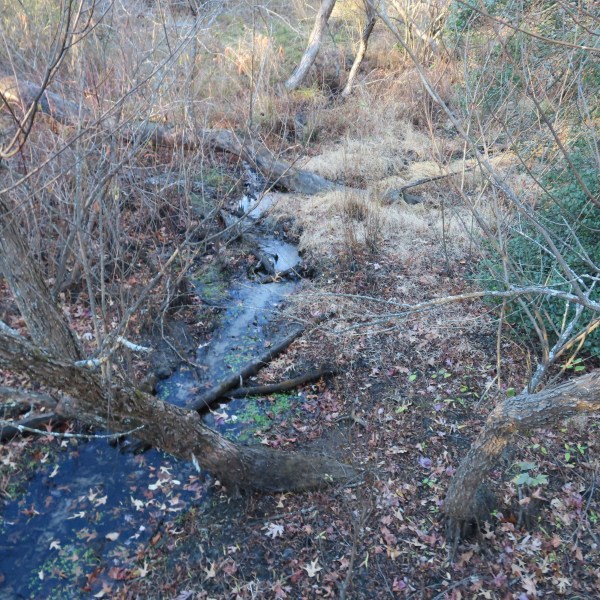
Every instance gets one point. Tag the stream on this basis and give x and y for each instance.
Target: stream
(90, 510)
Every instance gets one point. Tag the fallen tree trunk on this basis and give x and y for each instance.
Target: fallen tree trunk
(513, 415)
(15, 401)
(122, 409)
(19, 94)
(175, 430)
(283, 386)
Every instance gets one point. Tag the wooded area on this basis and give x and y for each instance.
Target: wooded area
(124, 152)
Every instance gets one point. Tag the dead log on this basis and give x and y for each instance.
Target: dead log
(209, 397)
(23, 400)
(283, 386)
(397, 194)
(19, 95)
(518, 414)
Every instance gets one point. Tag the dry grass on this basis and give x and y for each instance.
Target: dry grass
(371, 158)
(410, 233)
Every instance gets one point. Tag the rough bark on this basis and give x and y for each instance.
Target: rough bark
(44, 318)
(175, 430)
(362, 49)
(513, 415)
(314, 42)
(277, 172)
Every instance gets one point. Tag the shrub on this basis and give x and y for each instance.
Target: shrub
(573, 223)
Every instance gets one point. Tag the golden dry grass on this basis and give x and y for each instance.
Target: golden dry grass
(409, 233)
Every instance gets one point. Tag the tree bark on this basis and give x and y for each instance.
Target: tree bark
(513, 415)
(45, 321)
(175, 430)
(362, 49)
(314, 42)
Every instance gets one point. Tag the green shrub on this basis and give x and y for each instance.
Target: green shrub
(573, 222)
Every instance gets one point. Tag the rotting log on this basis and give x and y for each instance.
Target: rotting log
(175, 430)
(19, 94)
(513, 415)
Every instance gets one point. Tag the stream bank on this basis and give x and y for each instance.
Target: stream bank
(91, 510)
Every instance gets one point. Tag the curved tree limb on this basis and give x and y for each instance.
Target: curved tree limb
(362, 48)
(518, 414)
(314, 42)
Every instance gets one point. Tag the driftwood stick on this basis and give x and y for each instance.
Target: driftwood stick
(8, 432)
(283, 386)
(250, 368)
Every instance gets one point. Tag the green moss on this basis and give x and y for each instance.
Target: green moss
(210, 283)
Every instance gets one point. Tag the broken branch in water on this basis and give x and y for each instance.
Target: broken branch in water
(250, 368)
(283, 386)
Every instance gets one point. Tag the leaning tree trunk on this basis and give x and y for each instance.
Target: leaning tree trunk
(44, 318)
(362, 49)
(175, 430)
(314, 42)
(521, 413)
(51, 359)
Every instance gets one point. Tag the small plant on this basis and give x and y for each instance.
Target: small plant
(572, 450)
(526, 477)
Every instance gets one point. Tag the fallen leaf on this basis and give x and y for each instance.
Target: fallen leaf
(119, 573)
(273, 530)
(312, 568)
(211, 572)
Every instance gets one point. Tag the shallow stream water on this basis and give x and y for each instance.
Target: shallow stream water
(90, 510)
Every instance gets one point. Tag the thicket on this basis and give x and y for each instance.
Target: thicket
(573, 223)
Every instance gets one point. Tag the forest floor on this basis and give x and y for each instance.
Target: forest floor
(411, 396)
